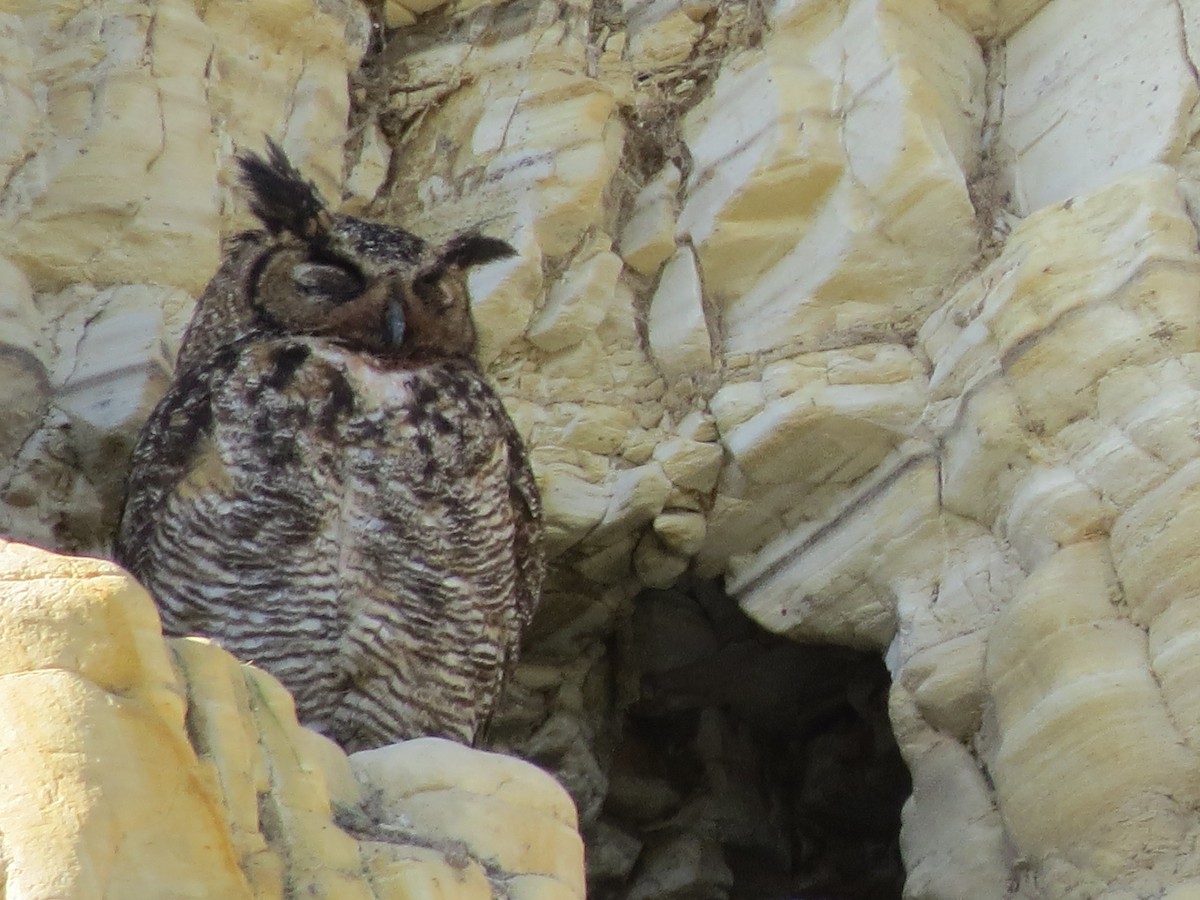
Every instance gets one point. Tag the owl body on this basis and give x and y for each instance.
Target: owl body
(346, 505)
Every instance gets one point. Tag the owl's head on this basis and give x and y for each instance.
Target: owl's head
(371, 287)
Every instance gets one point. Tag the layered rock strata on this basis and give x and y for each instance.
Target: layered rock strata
(882, 311)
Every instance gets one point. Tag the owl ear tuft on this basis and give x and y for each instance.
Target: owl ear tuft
(282, 198)
(460, 252)
(472, 249)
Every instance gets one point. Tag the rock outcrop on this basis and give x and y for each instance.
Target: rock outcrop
(883, 311)
(136, 767)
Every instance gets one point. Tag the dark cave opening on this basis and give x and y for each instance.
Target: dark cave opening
(746, 765)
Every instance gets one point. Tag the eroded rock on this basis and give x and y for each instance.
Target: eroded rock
(140, 767)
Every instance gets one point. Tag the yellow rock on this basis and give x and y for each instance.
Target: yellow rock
(130, 778)
(812, 210)
(579, 301)
(664, 41)
(677, 328)
(1063, 81)
(681, 531)
(648, 238)
(1081, 718)
(506, 812)
(921, 374)
(105, 795)
(656, 564)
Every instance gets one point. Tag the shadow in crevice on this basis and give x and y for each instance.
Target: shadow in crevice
(748, 766)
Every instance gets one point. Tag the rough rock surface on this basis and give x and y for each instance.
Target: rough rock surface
(136, 767)
(884, 311)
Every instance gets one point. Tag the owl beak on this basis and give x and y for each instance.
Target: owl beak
(394, 320)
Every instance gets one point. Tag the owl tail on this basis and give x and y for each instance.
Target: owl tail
(282, 198)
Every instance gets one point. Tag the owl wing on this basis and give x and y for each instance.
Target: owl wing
(229, 522)
(165, 450)
(527, 510)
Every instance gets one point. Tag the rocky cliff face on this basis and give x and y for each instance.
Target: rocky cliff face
(882, 311)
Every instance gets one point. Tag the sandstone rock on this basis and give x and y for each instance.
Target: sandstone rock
(87, 683)
(176, 769)
(677, 328)
(919, 374)
(648, 238)
(507, 814)
(1063, 80)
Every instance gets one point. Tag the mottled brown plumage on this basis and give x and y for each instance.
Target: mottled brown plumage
(330, 488)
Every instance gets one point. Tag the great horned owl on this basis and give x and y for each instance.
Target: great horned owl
(330, 488)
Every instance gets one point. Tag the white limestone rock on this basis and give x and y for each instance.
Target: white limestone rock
(1063, 81)
(678, 331)
(1071, 683)
(578, 302)
(838, 177)
(648, 237)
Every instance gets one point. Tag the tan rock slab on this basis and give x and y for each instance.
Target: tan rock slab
(501, 810)
(1063, 80)
(86, 681)
(648, 238)
(1078, 707)
(678, 330)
